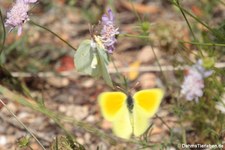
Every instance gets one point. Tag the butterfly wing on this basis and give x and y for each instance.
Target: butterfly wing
(146, 103)
(122, 124)
(114, 108)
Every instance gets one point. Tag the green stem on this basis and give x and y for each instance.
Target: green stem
(160, 118)
(135, 36)
(135, 12)
(120, 77)
(20, 122)
(204, 44)
(54, 34)
(189, 25)
(223, 3)
(157, 61)
(198, 20)
(184, 135)
(88, 127)
(4, 33)
(58, 118)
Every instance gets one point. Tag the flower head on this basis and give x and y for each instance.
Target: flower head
(193, 84)
(108, 31)
(18, 15)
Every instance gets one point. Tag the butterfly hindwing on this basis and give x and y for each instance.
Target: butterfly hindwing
(146, 103)
(122, 124)
(114, 108)
(140, 121)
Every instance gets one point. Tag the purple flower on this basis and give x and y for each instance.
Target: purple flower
(192, 87)
(18, 15)
(109, 31)
(108, 18)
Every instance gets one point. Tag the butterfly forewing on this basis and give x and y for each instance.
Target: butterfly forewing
(114, 108)
(111, 103)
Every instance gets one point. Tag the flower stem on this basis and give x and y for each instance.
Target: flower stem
(134, 36)
(4, 33)
(160, 118)
(204, 44)
(40, 26)
(216, 33)
(189, 25)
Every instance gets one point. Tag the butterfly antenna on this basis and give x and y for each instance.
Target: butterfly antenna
(121, 89)
(135, 86)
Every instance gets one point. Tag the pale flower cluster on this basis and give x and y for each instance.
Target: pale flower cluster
(18, 15)
(109, 31)
(193, 85)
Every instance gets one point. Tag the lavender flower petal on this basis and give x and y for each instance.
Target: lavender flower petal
(111, 17)
(108, 18)
(208, 73)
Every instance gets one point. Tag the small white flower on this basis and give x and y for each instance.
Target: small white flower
(192, 87)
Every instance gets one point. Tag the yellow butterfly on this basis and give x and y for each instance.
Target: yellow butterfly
(130, 115)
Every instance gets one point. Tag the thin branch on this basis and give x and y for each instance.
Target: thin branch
(4, 33)
(160, 118)
(189, 25)
(15, 124)
(58, 118)
(204, 44)
(40, 26)
(20, 122)
(201, 22)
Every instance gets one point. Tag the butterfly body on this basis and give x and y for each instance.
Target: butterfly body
(130, 103)
(130, 115)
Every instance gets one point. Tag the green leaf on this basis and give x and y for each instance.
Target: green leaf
(103, 62)
(83, 58)
(24, 141)
(63, 143)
